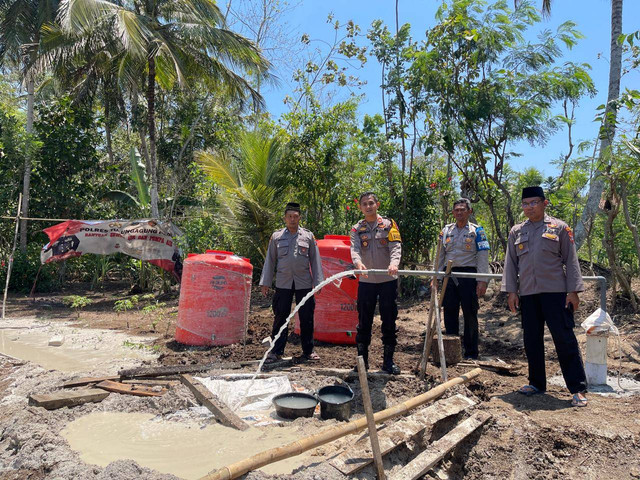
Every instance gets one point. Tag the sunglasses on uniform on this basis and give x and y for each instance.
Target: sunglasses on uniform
(532, 203)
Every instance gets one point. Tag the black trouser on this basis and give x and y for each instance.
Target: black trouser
(550, 308)
(464, 294)
(282, 308)
(386, 294)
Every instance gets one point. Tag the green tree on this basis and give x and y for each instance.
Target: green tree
(166, 42)
(22, 21)
(488, 88)
(318, 164)
(252, 187)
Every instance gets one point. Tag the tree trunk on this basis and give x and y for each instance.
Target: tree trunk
(27, 165)
(107, 131)
(627, 217)
(607, 132)
(613, 205)
(151, 126)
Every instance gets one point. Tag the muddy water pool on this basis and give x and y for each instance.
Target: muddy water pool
(184, 449)
(82, 350)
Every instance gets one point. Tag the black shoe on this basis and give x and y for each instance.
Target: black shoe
(363, 351)
(387, 363)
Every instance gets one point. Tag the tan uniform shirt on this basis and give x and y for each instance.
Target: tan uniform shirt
(378, 246)
(295, 256)
(466, 246)
(541, 258)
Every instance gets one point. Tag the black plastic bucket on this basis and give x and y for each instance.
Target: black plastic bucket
(295, 404)
(335, 402)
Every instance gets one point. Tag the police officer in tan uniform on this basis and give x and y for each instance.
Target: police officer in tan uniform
(466, 244)
(542, 276)
(376, 244)
(293, 253)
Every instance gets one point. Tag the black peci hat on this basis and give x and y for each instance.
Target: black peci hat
(528, 192)
(292, 206)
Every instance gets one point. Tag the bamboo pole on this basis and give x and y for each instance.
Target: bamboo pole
(371, 424)
(427, 344)
(431, 326)
(332, 433)
(13, 252)
(443, 363)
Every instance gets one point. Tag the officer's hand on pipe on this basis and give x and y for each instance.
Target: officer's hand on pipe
(393, 270)
(265, 290)
(574, 300)
(481, 289)
(360, 266)
(513, 301)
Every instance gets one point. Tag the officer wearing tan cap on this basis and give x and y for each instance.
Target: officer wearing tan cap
(466, 244)
(293, 253)
(542, 276)
(376, 245)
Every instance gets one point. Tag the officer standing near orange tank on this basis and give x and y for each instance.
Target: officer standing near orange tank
(293, 253)
(465, 244)
(376, 244)
(542, 276)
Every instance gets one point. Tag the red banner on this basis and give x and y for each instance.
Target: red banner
(148, 240)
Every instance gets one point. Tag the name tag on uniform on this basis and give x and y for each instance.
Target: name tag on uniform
(550, 236)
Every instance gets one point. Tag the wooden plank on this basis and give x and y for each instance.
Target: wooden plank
(151, 382)
(348, 373)
(164, 371)
(80, 382)
(61, 399)
(435, 452)
(371, 423)
(129, 389)
(359, 456)
(223, 413)
(494, 366)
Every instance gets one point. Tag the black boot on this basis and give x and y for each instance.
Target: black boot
(387, 363)
(363, 351)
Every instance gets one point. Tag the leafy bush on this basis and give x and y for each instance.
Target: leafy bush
(24, 271)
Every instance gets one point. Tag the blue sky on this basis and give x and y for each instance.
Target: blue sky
(591, 16)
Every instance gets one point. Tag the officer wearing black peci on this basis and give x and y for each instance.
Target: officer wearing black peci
(542, 276)
(293, 253)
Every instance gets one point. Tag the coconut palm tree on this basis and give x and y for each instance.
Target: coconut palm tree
(252, 187)
(155, 43)
(608, 129)
(19, 44)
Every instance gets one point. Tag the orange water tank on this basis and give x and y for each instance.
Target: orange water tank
(214, 299)
(336, 313)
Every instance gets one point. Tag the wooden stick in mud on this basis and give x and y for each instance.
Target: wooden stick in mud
(13, 252)
(434, 306)
(443, 362)
(371, 424)
(332, 433)
(222, 412)
(427, 342)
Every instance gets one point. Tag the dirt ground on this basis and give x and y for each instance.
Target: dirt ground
(539, 437)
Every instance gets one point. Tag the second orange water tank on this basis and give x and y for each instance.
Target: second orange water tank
(336, 313)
